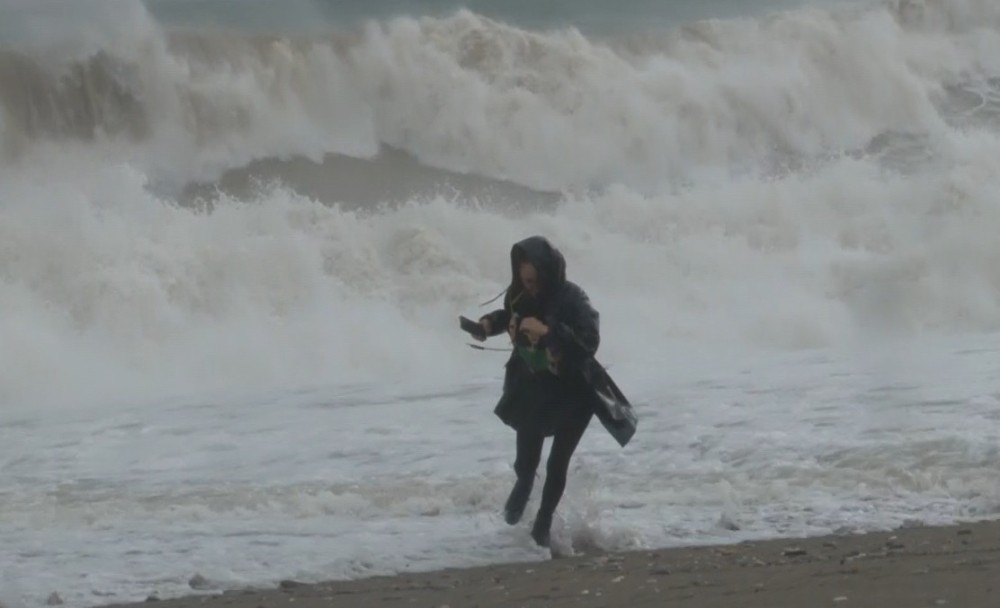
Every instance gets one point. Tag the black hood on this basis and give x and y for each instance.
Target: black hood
(548, 260)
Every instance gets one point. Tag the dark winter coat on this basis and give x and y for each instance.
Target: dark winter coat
(538, 400)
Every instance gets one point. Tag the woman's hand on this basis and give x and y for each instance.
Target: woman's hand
(534, 329)
(487, 327)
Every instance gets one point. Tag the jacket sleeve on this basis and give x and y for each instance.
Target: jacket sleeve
(499, 318)
(574, 332)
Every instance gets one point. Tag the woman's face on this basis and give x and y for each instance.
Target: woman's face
(529, 278)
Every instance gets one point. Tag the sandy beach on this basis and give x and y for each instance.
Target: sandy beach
(909, 567)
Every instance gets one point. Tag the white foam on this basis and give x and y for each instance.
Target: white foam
(552, 109)
(111, 289)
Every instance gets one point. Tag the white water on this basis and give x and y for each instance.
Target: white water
(277, 388)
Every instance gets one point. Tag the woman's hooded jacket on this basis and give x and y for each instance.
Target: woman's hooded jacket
(536, 400)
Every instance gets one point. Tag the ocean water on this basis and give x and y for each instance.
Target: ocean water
(235, 238)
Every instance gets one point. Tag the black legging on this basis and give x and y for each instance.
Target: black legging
(564, 442)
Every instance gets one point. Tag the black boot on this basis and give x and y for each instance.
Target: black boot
(518, 499)
(542, 529)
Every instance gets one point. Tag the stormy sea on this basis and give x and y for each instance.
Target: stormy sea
(236, 237)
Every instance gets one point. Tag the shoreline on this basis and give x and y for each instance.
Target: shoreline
(923, 565)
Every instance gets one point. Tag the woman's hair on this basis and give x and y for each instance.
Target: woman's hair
(516, 288)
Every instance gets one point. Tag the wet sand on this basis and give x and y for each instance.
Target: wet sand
(957, 566)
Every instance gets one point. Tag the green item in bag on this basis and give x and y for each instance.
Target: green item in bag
(536, 358)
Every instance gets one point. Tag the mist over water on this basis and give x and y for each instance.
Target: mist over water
(839, 159)
(248, 232)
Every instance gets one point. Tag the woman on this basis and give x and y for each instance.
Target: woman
(552, 385)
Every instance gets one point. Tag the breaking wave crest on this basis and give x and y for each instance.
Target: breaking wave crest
(196, 209)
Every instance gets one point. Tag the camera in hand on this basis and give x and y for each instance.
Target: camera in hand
(473, 328)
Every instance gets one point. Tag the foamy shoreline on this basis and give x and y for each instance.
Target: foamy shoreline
(952, 565)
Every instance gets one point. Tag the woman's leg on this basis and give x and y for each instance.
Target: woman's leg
(529, 454)
(567, 438)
